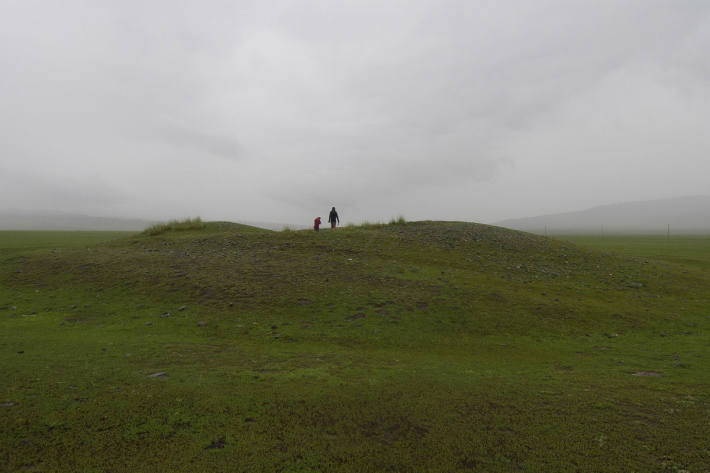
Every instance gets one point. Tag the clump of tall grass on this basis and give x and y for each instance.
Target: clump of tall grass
(175, 225)
(393, 221)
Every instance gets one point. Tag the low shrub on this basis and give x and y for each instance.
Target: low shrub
(175, 225)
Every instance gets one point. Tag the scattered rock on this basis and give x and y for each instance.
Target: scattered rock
(166, 314)
(636, 285)
(8, 404)
(662, 334)
(159, 374)
(201, 323)
(249, 420)
(274, 327)
(359, 315)
(646, 373)
(687, 333)
(181, 308)
(149, 323)
(611, 335)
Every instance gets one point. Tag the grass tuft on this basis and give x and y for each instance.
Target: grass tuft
(175, 225)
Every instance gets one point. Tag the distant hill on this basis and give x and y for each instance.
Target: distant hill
(15, 220)
(68, 221)
(683, 214)
(273, 225)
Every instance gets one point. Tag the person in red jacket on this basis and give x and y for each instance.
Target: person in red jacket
(316, 224)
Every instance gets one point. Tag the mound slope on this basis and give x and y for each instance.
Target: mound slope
(429, 346)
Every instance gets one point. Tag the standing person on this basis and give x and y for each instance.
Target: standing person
(333, 218)
(316, 224)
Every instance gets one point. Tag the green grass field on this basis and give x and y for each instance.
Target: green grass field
(692, 250)
(425, 346)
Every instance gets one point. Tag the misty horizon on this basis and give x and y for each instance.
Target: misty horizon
(449, 110)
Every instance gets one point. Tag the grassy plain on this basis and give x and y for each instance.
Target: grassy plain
(692, 250)
(426, 346)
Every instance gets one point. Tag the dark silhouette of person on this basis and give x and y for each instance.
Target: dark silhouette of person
(333, 218)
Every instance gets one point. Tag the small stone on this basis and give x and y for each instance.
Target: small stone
(74, 306)
(646, 373)
(8, 404)
(181, 308)
(149, 323)
(274, 327)
(159, 374)
(166, 314)
(201, 323)
(662, 334)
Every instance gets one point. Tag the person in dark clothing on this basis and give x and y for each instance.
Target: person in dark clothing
(316, 224)
(333, 218)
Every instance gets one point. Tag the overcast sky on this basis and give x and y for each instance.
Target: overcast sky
(277, 110)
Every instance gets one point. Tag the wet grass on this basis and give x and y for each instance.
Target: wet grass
(692, 250)
(421, 346)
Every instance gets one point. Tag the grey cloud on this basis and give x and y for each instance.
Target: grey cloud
(214, 143)
(426, 105)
